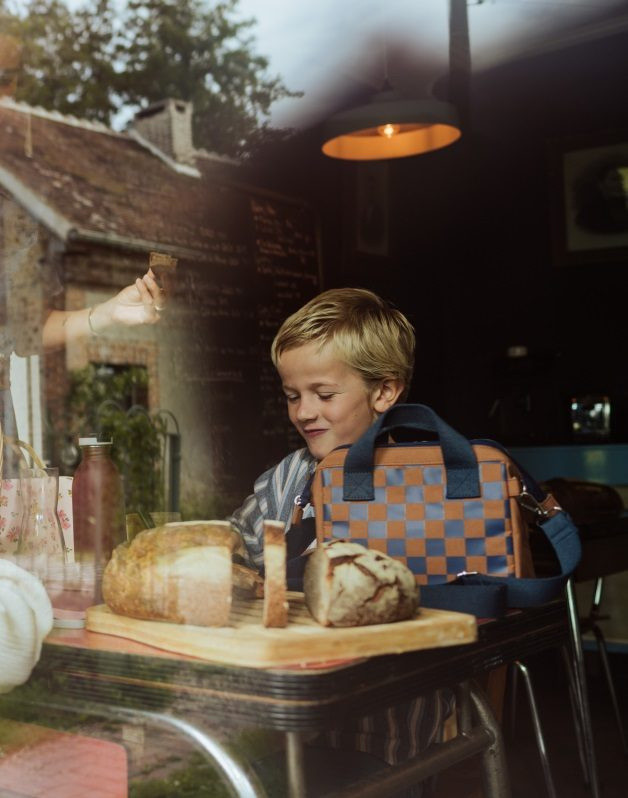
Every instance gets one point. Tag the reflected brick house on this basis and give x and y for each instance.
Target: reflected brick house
(97, 202)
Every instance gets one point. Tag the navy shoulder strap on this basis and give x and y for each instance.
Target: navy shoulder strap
(490, 596)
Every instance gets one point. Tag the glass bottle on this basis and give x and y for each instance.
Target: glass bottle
(97, 509)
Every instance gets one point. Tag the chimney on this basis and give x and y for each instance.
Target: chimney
(168, 125)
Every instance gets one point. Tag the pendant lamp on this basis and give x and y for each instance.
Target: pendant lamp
(391, 126)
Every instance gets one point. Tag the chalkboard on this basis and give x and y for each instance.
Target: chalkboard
(260, 265)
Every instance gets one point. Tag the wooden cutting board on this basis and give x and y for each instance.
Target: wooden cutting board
(248, 643)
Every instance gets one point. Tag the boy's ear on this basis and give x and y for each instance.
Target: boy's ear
(387, 393)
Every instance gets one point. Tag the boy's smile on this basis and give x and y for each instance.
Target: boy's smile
(328, 402)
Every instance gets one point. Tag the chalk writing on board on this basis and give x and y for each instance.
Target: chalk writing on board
(260, 264)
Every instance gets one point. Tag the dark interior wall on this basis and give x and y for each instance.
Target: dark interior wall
(500, 265)
(470, 249)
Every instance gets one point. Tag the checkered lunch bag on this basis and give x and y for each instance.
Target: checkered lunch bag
(457, 512)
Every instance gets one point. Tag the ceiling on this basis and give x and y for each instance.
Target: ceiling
(333, 51)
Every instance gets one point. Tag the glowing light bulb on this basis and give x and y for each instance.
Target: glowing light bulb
(388, 130)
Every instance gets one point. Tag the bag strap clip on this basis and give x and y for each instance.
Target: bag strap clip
(544, 509)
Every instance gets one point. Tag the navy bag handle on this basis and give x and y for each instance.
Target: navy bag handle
(461, 467)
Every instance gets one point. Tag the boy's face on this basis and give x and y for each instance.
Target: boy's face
(328, 402)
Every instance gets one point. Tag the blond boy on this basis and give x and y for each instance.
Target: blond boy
(344, 358)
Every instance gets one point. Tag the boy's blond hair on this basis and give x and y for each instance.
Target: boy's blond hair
(368, 334)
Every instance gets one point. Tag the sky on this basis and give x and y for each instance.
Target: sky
(310, 44)
(321, 46)
(317, 45)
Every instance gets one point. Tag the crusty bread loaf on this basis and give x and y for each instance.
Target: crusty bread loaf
(275, 611)
(346, 584)
(180, 572)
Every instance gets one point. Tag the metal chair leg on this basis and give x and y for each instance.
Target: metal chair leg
(597, 596)
(538, 731)
(494, 769)
(601, 646)
(512, 711)
(581, 685)
(591, 623)
(574, 701)
(294, 765)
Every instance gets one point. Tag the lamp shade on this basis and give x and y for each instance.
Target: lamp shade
(391, 127)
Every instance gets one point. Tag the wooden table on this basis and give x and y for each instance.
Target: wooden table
(90, 672)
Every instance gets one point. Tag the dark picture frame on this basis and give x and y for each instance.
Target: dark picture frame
(589, 194)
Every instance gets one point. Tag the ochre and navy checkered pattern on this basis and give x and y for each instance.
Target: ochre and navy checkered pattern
(411, 520)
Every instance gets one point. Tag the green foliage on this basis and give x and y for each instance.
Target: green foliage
(67, 56)
(200, 504)
(183, 49)
(92, 61)
(197, 780)
(107, 404)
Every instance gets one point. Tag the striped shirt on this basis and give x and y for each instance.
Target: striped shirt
(395, 734)
(272, 500)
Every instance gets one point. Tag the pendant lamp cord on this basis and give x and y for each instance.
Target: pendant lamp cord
(460, 60)
(386, 84)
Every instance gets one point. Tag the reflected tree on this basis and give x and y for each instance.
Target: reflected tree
(101, 56)
(110, 403)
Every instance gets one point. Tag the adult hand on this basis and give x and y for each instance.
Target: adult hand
(138, 303)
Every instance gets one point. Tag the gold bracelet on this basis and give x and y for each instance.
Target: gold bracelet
(89, 322)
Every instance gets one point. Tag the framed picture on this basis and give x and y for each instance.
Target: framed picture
(590, 200)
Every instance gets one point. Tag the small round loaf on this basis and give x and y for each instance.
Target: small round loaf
(180, 572)
(346, 584)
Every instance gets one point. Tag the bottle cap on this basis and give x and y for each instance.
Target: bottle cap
(92, 440)
(68, 619)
